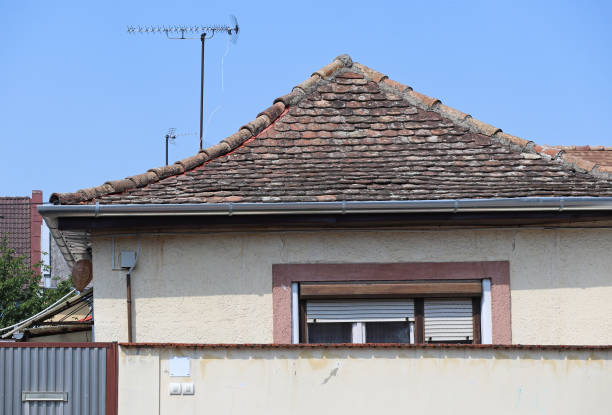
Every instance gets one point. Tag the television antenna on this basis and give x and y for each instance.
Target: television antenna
(171, 136)
(179, 33)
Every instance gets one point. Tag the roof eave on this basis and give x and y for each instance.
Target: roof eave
(548, 204)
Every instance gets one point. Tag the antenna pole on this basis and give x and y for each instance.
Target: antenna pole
(167, 138)
(202, 37)
(178, 32)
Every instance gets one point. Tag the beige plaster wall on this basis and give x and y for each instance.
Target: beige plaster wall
(218, 288)
(366, 381)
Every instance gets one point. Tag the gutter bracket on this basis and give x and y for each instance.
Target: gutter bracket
(456, 206)
(561, 205)
(97, 210)
(344, 207)
(230, 209)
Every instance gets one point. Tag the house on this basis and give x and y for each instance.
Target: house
(21, 224)
(353, 210)
(598, 155)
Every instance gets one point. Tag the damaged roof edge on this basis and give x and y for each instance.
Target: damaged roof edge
(447, 205)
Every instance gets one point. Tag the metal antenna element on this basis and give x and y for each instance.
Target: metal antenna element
(206, 32)
(170, 137)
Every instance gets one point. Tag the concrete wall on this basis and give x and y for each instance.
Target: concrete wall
(366, 381)
(218, 288)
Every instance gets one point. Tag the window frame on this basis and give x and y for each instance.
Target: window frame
(417, 326)
(284, 275)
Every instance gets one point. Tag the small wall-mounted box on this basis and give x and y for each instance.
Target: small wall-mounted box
(187, 388)
(175, 389)
(128, 259)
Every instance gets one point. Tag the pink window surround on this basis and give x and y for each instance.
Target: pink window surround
(283, 275)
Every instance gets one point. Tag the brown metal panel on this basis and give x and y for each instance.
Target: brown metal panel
(272, 221)
(303, 323)
(419, 321)
(112, 384)
(476, 319)
(390, 289)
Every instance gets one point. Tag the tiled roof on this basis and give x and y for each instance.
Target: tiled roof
(600, 155)
(15, 223)
(350, 133)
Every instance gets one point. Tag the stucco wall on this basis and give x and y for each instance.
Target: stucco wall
(366, 381)
(218, 288)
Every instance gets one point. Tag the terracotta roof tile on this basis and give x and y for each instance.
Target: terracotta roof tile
(350, 133)
(15, 224)
(600, 156)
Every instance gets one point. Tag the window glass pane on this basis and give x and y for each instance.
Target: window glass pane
(330, 332)
(388, 332)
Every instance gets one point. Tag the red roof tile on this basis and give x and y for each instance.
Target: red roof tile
(350, 133)
(15, 223)
(599, 155)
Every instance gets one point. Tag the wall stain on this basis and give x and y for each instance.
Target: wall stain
(317, 364)
(333, 373)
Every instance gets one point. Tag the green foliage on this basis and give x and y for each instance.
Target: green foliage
(21, 296)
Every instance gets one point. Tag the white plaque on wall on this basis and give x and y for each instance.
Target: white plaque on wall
(179, 366)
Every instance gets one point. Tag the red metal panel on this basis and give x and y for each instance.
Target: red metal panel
(112, 384)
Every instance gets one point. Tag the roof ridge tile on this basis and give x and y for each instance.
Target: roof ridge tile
(167, 171)
(329, 69)
(583, 148)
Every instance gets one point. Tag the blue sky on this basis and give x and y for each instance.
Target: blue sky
(83, 102)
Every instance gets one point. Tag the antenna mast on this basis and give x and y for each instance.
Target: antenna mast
(170, 136)
(206, 32)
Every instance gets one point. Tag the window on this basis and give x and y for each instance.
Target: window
(390, 312)
(293, 285)
(360, 321)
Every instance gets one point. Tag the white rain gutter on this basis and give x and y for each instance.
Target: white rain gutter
(526, 204)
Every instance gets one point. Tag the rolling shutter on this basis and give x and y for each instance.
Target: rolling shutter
(337, 311)
(448, 320)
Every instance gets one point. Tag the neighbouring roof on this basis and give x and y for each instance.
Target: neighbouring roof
(600, 155)
(15, 224)
(350, 133)
(72, 314)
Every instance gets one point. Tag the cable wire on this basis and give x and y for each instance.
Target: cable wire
(212, 114)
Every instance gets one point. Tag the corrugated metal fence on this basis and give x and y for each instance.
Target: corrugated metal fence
(58, 378)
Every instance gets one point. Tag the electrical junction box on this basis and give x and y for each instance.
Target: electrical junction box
(128, 259)
(187, 388)
(175, 389)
